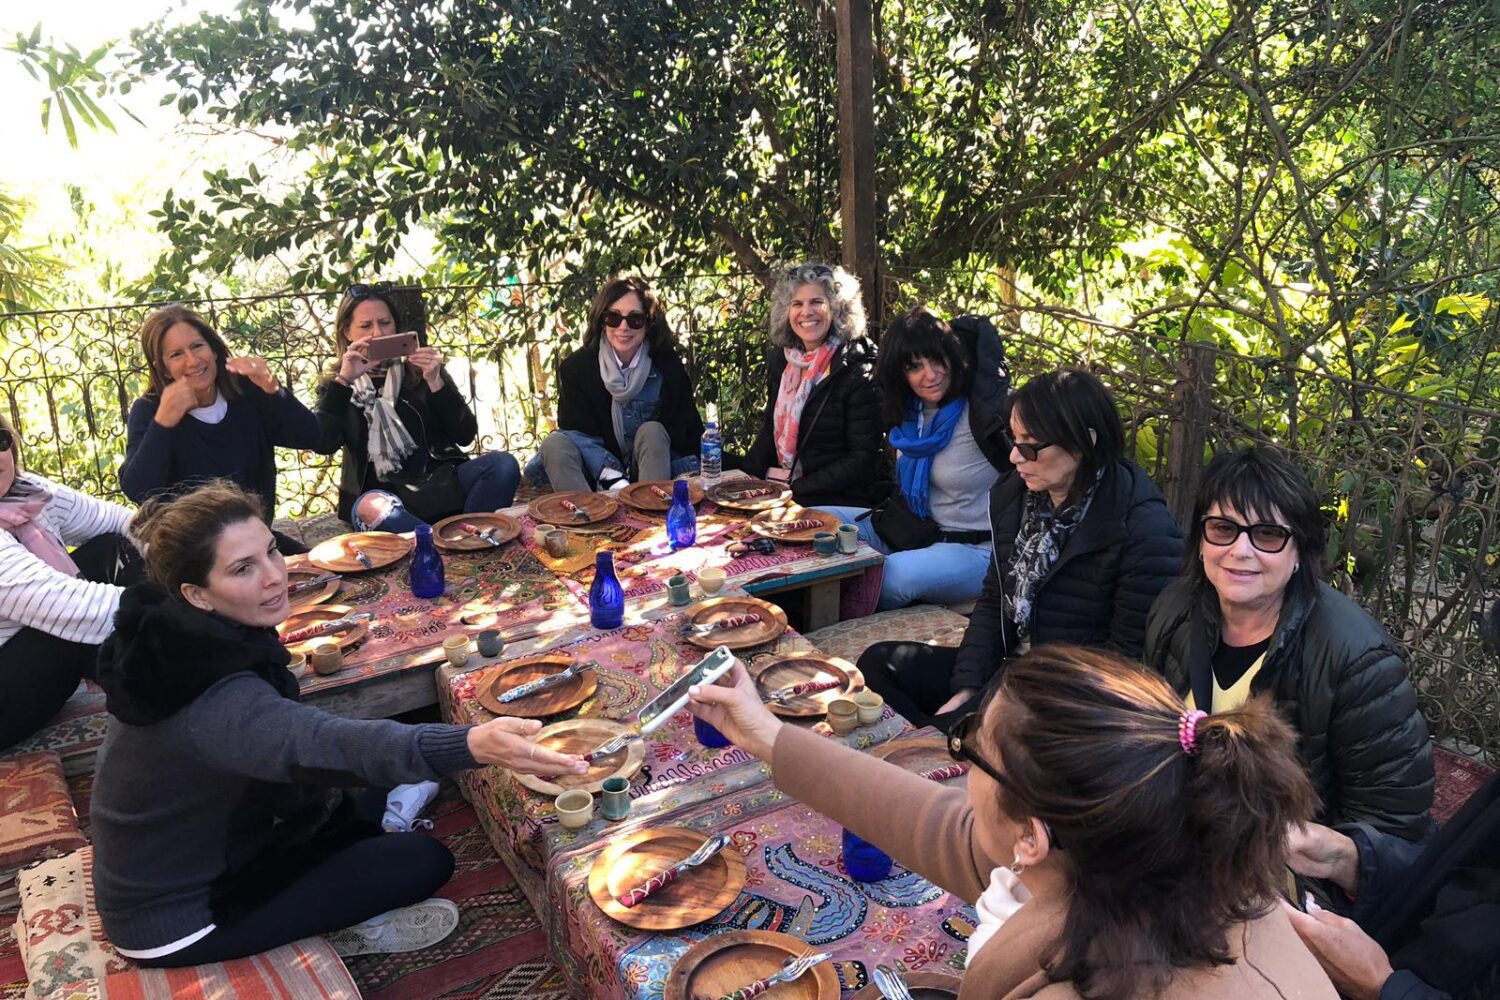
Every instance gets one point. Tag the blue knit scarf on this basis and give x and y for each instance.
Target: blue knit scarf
(916, 449)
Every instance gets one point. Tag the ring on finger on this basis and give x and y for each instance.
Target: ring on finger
(532, 754)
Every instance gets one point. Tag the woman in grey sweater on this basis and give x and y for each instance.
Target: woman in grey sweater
(220, 827)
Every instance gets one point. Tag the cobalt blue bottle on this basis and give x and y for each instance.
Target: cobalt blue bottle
(682, 520)
(606, 596)
(426, 566)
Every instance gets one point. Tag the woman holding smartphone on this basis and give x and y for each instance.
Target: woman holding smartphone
(403, 426)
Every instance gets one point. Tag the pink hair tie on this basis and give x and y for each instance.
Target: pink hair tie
(1187, 729)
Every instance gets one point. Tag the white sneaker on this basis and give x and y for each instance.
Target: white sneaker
(404, 803)
(409, 928)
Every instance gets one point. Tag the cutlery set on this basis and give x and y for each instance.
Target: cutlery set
(543, 683)
(325, 628)
(733, 621)
(661, 880)
(303, 586)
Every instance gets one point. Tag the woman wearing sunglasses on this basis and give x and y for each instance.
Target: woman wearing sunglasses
(56, 606)
(1116, 845)
(821, 433)
(403, 426)
(625, 410)
(1082, 544)
(1251, 614)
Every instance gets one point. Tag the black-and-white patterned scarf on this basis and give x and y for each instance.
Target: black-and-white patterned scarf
(1044, 532)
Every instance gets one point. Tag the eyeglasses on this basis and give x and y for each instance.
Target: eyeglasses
(1221, 531)
(1028, 451)
(7, 440)
(961, 748)
(363, 291)
(634, 320)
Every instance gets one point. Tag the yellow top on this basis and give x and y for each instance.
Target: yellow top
(1237, 694)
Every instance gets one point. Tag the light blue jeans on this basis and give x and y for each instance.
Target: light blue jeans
(945, 573)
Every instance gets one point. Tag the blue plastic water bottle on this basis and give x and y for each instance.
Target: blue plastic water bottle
(711, 451)
(426, 566)
(682, 520)
(606, 596)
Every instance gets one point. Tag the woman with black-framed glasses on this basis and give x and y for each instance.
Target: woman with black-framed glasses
(1251, 614)
(625, 408)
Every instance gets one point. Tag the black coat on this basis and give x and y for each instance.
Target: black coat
(440, 423)
(584, 405)
(1340, 681)
(989, 419)
(840, 442)
(1099, 591)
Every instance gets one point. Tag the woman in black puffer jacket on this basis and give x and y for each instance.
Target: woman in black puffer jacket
(822, 432)
(1251, 614)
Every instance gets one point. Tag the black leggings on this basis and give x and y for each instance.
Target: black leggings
(38, 672)
(913, 678)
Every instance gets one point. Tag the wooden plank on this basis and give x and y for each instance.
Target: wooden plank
(822, 604)
(856, 80)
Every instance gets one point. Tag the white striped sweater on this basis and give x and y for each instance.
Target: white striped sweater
(36, 595)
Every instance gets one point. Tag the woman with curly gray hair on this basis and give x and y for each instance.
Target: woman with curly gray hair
(821, 432)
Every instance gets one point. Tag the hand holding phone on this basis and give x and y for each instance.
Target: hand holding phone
(665, 705)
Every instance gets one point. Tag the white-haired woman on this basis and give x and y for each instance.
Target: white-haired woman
(822, 431)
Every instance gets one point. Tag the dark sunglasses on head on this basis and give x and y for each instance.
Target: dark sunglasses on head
(816, 270)
(635, 320)
(961, 748)
(1221, 531)
(1028, 451)
(363, 291)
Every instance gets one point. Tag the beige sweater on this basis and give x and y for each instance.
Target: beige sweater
(933, 834)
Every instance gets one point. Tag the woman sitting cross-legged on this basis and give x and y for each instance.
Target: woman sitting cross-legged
(219, 826)
(625, 410)
(1116, 845)
(403, 425)
(1251, 614)
(943, 392)
(56, 606)
(1083, 542)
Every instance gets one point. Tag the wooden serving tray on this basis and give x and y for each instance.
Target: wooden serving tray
(723, 963)
(580, 736)
(448, 536)
(765, 523)
(723, 494)
(771, 625)
(777, 674)
(548, 508)
(923, 986)
(513, 673)
(640, 496)
(337, 553)
(309, 598)
(323, 613)
(698, 894)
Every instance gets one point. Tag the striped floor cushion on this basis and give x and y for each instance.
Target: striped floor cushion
(37, 819)
(303, 970)
(920, 623)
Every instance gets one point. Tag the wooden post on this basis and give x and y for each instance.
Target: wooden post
(856, 57)
(1192, 413)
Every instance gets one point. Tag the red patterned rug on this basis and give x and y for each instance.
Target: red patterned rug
(1458, 777)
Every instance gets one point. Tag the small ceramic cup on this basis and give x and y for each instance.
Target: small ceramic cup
(677, 590)
(490, 643)
(869, 706)
(848, 538)
(825, 543)
(575, 808)
(539, 533)
(616, 804)
(298, 665)
(843, 715)
(557, 543)
(456, 648)
(327, 658)
(711, 578)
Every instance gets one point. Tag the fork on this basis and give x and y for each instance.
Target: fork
(712, 846)
(791, 969)
(542, 683)
(579, 514)
(613, 745)
(360, 557)
(890, 984)
(704, 628)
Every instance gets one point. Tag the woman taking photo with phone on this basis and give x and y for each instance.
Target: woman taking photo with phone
(403, 425)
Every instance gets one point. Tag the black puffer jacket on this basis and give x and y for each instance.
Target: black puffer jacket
(1099, 591)
(988, 412)
(840, 443)
(1339, 679)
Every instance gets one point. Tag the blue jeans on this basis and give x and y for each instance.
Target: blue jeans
(489, 482)
(595, 459)
(945, 573)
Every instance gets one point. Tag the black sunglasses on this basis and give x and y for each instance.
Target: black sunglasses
(961, 749)
(1221, 531)
(7, 440)
(816, 270)
(634, 320)
(1028, 451)
(363, 291)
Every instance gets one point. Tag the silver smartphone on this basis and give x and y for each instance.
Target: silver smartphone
(665, 705)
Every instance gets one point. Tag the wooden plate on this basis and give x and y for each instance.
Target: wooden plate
(771, 625)
(778, 674)
(322, 613)
(308, 598)
(723, 494)
(513, 673)
(548, 508)
(698, 894)
(337, 553)
(641, 497)
(764, 523)
(581, 736)
(447, 535)
(915, 753)
(923, 986)
(724, 963)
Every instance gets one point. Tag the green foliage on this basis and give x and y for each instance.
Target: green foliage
(75, 82)
(26, 272)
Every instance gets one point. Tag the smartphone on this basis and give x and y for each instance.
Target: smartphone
(397, 345)
(665, 705)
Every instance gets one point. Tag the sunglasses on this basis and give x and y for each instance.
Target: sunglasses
(1028, 451)
(816, 270)
(634, 320)
(7, 440)
(1221, 531)
(363, 291)
(961, 748)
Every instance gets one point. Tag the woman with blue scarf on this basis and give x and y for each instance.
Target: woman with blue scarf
(943, 391)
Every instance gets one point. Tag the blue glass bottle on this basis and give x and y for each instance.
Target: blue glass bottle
(426, 566)
(606, 596)
(863, 860)
(682, 519)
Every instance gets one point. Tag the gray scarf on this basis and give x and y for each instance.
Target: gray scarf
(623, 386)
(389, 442)
(1043, 535)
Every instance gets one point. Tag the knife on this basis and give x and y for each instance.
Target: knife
(488, 534)
(325, 628)
(302, 586)
(809, 687)
(710, 848)
(543, 683)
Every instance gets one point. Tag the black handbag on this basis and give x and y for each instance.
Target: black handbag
(901, 529)
(434, 496)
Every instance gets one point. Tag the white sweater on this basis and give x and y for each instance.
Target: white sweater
(36, 595)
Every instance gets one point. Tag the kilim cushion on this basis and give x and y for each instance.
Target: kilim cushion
(924, 623)
(62, 940)
(303, 970)
(36, 812)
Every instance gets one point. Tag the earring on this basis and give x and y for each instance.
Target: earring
(1296, 566)
(1016, 867)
